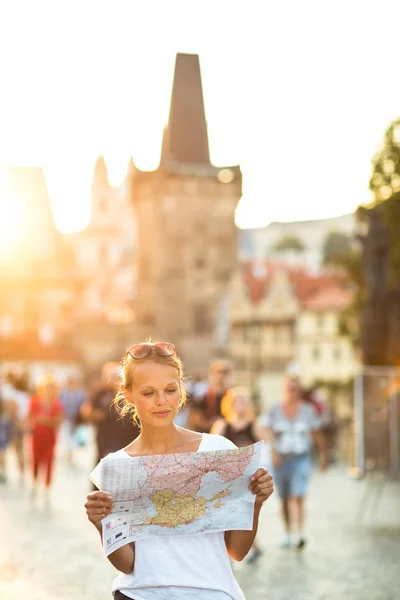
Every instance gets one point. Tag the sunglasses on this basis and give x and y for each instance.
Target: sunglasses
(138, 351)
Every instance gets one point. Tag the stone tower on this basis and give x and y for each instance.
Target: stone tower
(186, 245)
(38, 282)
(104, 249)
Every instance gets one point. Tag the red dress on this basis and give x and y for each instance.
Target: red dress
(43, 436)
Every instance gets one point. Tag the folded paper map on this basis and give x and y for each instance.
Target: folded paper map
(172, 494)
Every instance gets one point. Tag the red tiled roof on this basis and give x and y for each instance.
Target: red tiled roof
(305, 284)
(331, 298)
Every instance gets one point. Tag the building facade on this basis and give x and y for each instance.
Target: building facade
(104, 252)
(276, 313)
(323, 352)
(40, 291)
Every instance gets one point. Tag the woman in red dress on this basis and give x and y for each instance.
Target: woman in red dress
(45, 414)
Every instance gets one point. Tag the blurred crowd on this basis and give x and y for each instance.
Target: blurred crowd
(32, 421)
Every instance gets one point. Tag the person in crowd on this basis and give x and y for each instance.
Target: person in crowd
(72, 398)
(239, 425)
(20, 397)
(5, 436)
(45, 416)
(206, 408)
(173, 567)
(328, 423)
(112, 431)
(294, 428)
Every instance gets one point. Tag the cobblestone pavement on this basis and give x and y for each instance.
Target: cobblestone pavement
(56, 554)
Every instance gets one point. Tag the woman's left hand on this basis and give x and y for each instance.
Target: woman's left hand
(262, 485)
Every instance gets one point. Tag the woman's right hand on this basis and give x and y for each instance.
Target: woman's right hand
(98, 505)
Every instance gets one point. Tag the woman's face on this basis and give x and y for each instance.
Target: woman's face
(292, 388)
(155, 393)
(49, 391)
(241, 406)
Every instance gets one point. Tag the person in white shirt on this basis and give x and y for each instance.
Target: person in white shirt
(293, 426)
(15, 393)
(184, 567)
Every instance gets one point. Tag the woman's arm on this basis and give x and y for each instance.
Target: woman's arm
(238, 543)
(219, 427)
(91, 414)
(260, 432)
(319, 443)
(275, 457)
(50, 421)
(99, 505)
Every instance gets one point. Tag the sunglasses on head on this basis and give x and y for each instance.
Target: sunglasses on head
(138, 351)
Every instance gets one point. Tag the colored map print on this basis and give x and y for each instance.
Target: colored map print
(172, 494)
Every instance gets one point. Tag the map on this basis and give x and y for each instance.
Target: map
(172, 494)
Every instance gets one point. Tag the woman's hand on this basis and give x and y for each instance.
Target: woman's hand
(262, 485)
(276, 460)
(323, 462)
(98, 505)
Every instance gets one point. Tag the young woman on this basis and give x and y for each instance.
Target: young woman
(239, 425)
(185, 567)
(239, 420)
(45, 416)
(294, 429)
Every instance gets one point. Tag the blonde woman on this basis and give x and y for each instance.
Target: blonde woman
(239, 419)
(239, 425)
(184, 567)
(45, 417)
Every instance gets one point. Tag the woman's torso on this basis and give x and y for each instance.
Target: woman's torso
(182, 567)
(40, 408)
(241, 435)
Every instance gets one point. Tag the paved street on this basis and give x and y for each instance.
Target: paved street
(57, 555)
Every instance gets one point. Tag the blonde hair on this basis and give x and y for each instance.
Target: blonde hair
(228, 401)
(128, 364)
(48, 379)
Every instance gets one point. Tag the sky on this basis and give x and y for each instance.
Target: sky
(298, 93)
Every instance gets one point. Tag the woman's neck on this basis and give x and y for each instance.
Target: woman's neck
(237, 420)
(288, 401)
(157, 440)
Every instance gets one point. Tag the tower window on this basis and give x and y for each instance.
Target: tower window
(147, 320)
(316, 353)
(103, 254)
(200, 319)
(102, 205)
(200, 262)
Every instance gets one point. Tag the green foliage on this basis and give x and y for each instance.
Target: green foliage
(385, 185)
(385, 178)
(337, 246)
(289, 242)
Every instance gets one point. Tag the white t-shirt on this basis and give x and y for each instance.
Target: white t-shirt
(22, 400)
(181, 567)
(292, 436)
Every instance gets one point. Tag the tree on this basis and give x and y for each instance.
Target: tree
(337, 245)
(373, 266)
(289, 242)
(380, 266)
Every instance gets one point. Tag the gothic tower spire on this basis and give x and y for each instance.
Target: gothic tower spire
(185, 137)
(100, 175)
